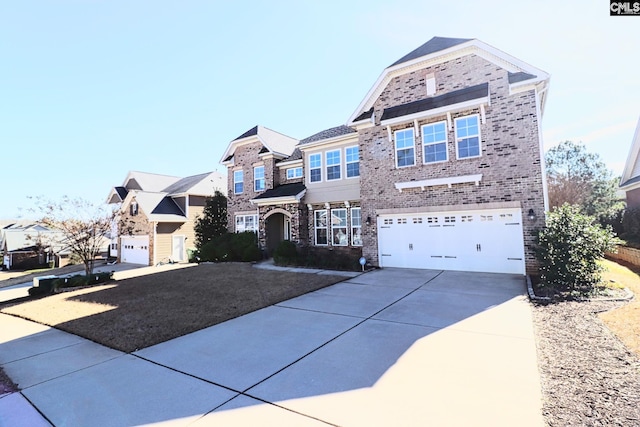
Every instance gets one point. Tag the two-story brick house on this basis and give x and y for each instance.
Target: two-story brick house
(440, 166)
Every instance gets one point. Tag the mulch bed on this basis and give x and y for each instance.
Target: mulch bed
(588, 376)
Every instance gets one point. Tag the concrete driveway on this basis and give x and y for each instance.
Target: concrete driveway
(389, 347)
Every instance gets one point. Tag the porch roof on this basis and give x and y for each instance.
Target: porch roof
(287, 193)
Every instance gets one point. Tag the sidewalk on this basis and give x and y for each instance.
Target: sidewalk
(389, 347)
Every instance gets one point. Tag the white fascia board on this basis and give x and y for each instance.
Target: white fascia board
(279, 200)
(338, 140)
(632, 157)
(437, 111)
(362, 124)
(231, 148)
(110, 196)
(439, 181)
(290, 163)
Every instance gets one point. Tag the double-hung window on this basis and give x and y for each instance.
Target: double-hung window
(434, 141)
(339, 227)
(294, 173)
(405, 149)
(258, 178)
(246, 223)
(467, 137)
(238, 182)
(320, 226)
(333, 165)
(352, 160)
(356, 227)
(315, 167)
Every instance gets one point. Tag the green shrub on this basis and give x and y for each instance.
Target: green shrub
(631, 226)
(568, 248)
(286, 253)
(231, 247)
(82, 280)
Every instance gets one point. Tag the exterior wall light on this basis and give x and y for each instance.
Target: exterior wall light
(532, 215)
(368, 222)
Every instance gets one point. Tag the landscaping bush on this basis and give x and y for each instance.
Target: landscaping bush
(286, 253)
(82, 280)
(231, 247)
(568, 248)
(631, 226)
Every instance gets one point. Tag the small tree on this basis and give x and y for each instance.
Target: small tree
(568, 248)
(82, 225)
(213, 223)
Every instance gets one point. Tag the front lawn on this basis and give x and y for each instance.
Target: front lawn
(139, 312)
(624, 321)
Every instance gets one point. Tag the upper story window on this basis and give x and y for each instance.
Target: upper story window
(315, 167)
(238, 182)
(293, 173)
(434, 141)
(258, 178)
(405, 149)
(333, 165)
(352, 160)
(467, 137)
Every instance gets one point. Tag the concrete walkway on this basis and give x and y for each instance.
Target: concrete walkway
(389, 347)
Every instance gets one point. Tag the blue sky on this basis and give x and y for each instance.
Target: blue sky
(90, 90)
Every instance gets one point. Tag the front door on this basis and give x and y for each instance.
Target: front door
(177, 254)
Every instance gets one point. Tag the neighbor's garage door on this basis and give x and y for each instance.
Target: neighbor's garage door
(135, 249)
(486, 240)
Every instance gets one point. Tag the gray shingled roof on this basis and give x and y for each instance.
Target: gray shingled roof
(455, 97)
(122, 192)
(296, 155)
(183, 185)
(286, 190)
(328, 133)
(167, 206)
(434, 45)
(365, 115)
(520, 76)
(251, 132)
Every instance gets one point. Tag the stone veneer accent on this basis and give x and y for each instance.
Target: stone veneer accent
(510, 163)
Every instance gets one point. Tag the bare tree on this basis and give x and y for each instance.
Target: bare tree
(83, 226)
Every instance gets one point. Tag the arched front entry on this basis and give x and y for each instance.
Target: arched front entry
(278, 228)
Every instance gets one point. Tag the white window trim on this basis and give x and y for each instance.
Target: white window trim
(255, 223)
(455, 126)
(319, 167)
(337, 227)
(295, 175)
(353, 227)
(425, 144)
(395, 146)
(327, 166)
(255, 181)
(347, 162)
(316, 228)
(236, 182)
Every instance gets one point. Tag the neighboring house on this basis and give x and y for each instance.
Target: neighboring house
(31, 245)
(440, 166)
(630, 181)
(157, 215)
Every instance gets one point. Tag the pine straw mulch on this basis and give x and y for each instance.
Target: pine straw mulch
(588, 376)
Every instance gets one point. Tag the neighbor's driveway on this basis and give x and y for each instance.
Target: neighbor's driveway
(390, 347)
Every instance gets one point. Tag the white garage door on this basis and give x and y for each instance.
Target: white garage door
(135, 249)
(485, 240)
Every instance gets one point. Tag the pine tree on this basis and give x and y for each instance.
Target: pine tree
(213, 223)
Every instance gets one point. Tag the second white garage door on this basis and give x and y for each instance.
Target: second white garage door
(486, 240)
(134, 249)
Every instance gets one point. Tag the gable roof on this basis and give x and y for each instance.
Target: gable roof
(333, 132)
(154, 206)
(273, 142)
(631, 174)
(434, 45)
(439, 50)
(204, 184)
(148, 181)
(287, 193)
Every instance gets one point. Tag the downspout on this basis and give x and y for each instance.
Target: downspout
(545, 190)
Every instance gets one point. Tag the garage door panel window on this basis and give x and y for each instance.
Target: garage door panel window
(320, 227)
(339, 227)
(467, 137)
(405, 148)
(434, 141)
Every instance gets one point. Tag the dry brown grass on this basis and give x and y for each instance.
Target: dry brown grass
(139, 312)
(624, 321)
